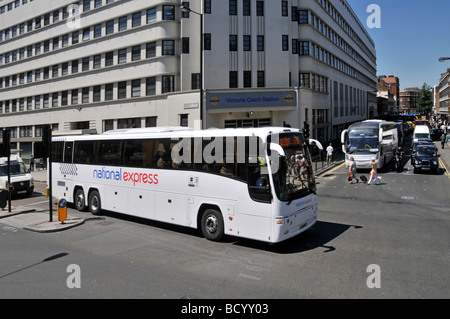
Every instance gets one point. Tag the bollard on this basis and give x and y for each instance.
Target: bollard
(62, 210)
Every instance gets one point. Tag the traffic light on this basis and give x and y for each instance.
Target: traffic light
(6, 144)
(305, 130)
(46, 140)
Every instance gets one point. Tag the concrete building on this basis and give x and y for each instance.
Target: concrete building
(107, 64)
(443, 96)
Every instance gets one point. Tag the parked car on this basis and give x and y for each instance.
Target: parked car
(426, 159)
(436, 134)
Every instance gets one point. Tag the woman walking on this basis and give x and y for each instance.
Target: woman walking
(373, 172)
(352, 171)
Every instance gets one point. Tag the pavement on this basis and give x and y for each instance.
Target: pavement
(39, 220)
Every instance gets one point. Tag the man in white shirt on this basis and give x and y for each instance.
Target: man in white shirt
(329, 153)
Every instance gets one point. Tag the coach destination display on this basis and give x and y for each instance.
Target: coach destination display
(250, 99)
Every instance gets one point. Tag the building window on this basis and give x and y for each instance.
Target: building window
(122, 56)
(184, 120)
(97, 61)
(109, 88)
(261, 79)
(247, 79)
(294, 13)
(285, 42)
(85, 95)
(136, 53)
(96, 93)
(303, 48)
(136, 88)
(109, 27)
(168, 47)
(109, 58)
(294, 46)
(260, 43)
(168, 12)
(284, 8)
(97, 31)
(304, 80)
(74, 97)
(122, 23)
(207, 41)
(195, 81)
(259, 8)
(168, 83)
(232, 7)
(86, 34)
(207, 6)
(303, 17)
(246, 8)
(150, 121)
(150, 86)
(185, 15)
(150, 50)
(185, 45)
(151, 15)
(136, 20)
(122, 90)
(233, 42)
(247, 43)
(233, 79)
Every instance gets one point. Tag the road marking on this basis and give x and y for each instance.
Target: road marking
(331, 170)
(446, 172)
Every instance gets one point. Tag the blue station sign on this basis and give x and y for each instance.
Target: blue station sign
(250, 99)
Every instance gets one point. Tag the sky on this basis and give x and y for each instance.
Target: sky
(412, 36)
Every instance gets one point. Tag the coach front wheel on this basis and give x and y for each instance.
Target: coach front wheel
(80, 202)
(212, 225)
(95, 203)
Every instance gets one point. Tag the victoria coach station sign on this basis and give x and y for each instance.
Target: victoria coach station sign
(250, 99)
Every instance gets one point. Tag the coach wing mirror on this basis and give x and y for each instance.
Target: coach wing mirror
(277, 148)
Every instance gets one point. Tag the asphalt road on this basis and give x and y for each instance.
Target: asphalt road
(394, 236)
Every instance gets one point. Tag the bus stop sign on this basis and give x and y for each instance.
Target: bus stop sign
(62, 210)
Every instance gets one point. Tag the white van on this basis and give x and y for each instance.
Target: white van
(21, 180)
(421, 131)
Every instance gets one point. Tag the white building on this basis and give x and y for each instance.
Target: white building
(105, 64)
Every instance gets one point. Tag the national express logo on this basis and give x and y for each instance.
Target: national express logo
(126, 176)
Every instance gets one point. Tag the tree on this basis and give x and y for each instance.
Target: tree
(425, 103)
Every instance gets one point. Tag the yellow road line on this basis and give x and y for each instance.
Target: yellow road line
(331, 170)
(447, 173)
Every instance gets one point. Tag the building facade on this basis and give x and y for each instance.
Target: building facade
(108, 64)
(443, 96)
(409, 98)
(390, 84)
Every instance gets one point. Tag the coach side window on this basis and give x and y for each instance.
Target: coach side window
(57, 152)
(108, 153)
(68, 152)
(84, 152)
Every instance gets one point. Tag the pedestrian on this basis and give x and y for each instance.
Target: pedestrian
(373, 172)
(443, 140)
(330, 150)
(352, 171)
(31, 163)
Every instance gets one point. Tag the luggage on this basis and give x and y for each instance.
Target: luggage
(363, 178)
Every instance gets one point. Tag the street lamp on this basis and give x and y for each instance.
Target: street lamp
(184, 8)
(442, 59)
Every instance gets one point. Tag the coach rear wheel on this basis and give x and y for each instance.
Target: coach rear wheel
(95, 203)
(212, 225)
